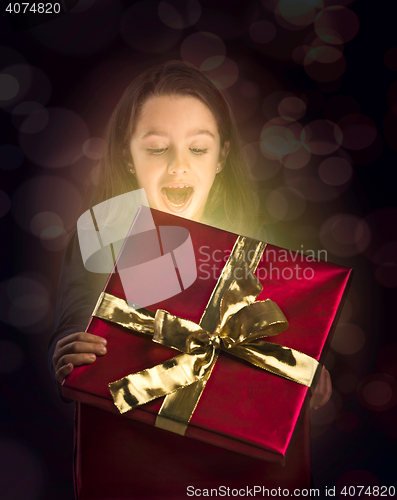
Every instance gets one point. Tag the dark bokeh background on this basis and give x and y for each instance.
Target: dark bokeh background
(314, 89)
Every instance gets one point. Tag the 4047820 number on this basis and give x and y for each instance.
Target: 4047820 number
(39, 8)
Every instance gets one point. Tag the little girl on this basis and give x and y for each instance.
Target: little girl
(173, 135)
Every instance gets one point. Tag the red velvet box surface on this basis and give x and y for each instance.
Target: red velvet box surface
(243, 408)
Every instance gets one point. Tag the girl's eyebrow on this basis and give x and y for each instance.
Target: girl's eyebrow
(191, 133)
(200, 132)
(155, 132)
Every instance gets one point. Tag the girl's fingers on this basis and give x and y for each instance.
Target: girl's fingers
(80, 337)
(74, 346)
(75, 360)
(77, 347)
(323, 390)
(63, 372)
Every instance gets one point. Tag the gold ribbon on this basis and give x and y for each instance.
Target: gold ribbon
(232, 321)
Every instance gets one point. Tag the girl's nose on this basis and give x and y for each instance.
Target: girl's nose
(178, 164)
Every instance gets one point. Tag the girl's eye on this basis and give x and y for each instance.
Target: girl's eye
(197, 151)
(157, 151)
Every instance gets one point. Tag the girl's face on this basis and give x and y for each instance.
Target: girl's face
(176, 154)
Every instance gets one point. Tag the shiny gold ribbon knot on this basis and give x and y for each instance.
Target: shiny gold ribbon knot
(239, 321)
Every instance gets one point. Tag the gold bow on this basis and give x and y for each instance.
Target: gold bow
(239, 322)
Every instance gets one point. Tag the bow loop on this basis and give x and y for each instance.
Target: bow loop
(179, 333)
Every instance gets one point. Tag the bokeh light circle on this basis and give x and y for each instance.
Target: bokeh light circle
(59, 143)
(321, 137)
(177, 18)
(345, 235)
(46, 225)
(30, 117)
(279, 140)
(386, 274)
(335, 171)
(336, 24)
(204, 50)
(348, 339)
(272, 102)
(297, 159)
(262, 31)
(11, 356)
(9, 87)
(143, 30)
(362, 478)
(5, 203)
(28, 301)
(259, 169)
(299, 13)
(292, 108)
(223, 75)
(378, 392)
(15, 77)
(322, 54)
(34, 85)
(299, 53)
(11, 157)
(94, 148)
(284, 203)
(387, 252)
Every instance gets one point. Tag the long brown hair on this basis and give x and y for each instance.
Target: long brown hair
(231, 202)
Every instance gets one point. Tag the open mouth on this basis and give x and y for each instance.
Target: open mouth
(177, 197)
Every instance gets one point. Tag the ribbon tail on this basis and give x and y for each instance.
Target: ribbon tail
(282, 361)
(161, 380)
(177, 408)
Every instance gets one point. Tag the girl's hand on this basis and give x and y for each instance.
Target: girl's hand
(323, 390)
(77, 349)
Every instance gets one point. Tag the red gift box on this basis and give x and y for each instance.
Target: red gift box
(243, 408)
